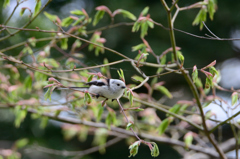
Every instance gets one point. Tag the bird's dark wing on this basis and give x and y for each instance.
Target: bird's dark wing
(97, 83)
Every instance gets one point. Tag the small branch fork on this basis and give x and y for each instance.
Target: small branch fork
(135, 134)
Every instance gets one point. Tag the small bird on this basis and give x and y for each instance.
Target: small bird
(104, 89)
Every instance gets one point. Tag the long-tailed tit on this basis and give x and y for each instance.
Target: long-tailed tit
(104, 89)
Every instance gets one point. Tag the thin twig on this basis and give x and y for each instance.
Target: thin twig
(210, 30)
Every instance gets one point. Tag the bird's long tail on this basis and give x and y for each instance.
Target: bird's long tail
(82, 89)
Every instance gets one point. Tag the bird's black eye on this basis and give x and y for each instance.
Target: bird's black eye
(118, 84)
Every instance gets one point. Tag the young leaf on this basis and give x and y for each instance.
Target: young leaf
(134, 148)
(136, 26)
(144, 29)
(234, 98)
(175, 109)
(50, 16)
(163, 126)
(180, 56)
(67, 21)
(48, 94)
(21, 143)
(208, 82)
(37, 7)
(145, 11)
(211, 8)
(201, 17)
(137, 78)
(188, 138)
(121, 74)
(64, 43)
(44, 122)
(28, 83)
(98, 16)
(213, 71)
(155, 150)
(20, 115)
(78, 21)
(22, 10)
(125, 13)
(164, 90)
(198, 83)
(90, 78)
(129, 125)
(138, 47)
(83, 133)
(195, 74)
(77, 12)
(6, 3)
(130, 96)
(87, 98)
(100, 111)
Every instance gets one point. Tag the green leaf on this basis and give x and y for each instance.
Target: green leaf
(69, 133)
(154, 151)
(51, 62)
(87, 98)
(175, 109)
(110, 119)
(188, 138)
(211, 8)
(77, 12)
(234, 98)
(100, 136)
(201, 17)
(206, 104)
(98, 16)
(195, 74)
(180, 56)
(22, 11)
(145, 11)
(121, 74)
(67, 21)
(144, 29)
(126, 14)
(32, 41)
(134, 148)
(100, 112)
(50, 16)
(136, 26)
(78, 21)
(130, 96)
(208, 82)
(64, 43)
(138, 47)
(21, 143)
(83, 133)
(150, 24)
(44, 122)
(20, 115)
(6, 3)
(198, 83)
(164, 91)
(48, 94)
(213, 71)
(163, 126)
(37, 7)
(129, 125)
(28, 83)
(137, 78)
(90, 78)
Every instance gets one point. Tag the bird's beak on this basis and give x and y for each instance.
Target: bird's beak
(123, 87)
